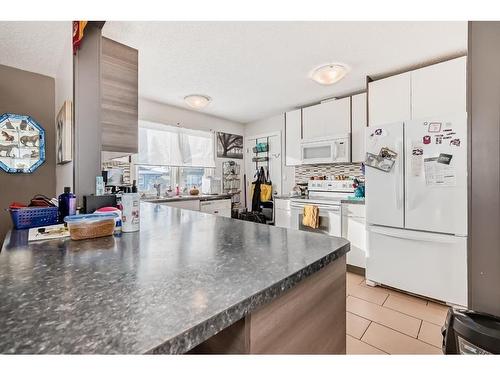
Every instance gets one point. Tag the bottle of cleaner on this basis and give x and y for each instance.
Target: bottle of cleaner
(67, 204)
(130, 212)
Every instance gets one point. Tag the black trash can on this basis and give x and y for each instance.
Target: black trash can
(470, 332)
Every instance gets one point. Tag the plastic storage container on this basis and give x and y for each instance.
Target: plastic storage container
(32, 217)
(83, 227)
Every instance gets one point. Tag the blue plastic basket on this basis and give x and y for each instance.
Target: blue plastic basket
(31, 217)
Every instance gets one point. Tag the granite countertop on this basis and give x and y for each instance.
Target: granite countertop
(184, 277)
(201, 197)
(353, 201)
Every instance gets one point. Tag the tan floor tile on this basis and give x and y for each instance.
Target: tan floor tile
(431, 334)
(390, 318)
(355, 346)
(439, 306)
(429, 313)
(356, 325)
(394, 342)
(354, 279)
(399, 294)
(368, 293)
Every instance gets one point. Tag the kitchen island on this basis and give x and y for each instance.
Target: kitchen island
(187, 282)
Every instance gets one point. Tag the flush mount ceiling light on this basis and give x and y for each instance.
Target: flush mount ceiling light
(197, 101)
(329, 74)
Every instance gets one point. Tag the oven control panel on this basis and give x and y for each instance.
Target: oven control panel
(330, 185)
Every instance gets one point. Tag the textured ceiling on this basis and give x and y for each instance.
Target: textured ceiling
(253, 70)
(34, 46)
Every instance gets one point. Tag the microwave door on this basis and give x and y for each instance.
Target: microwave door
(317, 152)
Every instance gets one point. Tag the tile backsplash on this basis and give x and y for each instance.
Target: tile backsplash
(304, 172)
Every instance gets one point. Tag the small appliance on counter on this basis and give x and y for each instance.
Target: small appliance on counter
(91, 203)
(211, 185)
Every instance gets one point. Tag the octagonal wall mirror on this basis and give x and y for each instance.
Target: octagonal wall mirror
(22, 143)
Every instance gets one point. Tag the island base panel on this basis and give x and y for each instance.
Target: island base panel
(310, 318)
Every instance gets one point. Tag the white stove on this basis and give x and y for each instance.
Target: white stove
(326, 192)
(327, 196)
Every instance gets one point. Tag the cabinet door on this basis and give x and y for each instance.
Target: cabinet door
(119, 97)
(358, 118)
(293, 136)
(389, 100)
(354, 230)
(220, 207)
(192, 204)
(327, 119)
(282, 218)
(439, 89)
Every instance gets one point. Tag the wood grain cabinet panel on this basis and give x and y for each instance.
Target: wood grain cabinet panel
(309, 318)
(119, 97)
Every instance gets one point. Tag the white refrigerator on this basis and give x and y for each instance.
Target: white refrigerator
(416, 212)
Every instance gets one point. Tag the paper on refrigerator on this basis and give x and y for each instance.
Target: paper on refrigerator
(439, 174)
(417, 158)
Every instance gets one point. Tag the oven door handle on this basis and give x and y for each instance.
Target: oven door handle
(321, 207)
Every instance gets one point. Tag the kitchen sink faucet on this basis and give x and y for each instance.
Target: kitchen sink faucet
(158, 188)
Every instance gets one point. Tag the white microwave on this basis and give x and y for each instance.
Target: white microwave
(326, 150)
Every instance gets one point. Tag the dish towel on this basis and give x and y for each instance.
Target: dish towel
(311, 216)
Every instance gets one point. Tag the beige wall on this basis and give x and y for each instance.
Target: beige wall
(64, 91)
(30, 94)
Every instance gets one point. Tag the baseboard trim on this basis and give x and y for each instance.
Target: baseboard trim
(355, 269)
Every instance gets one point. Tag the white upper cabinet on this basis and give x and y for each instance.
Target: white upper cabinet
(434, 90)
(389, 100)
(439, 89)
(327, 119)
(358, 126)
(293, 136)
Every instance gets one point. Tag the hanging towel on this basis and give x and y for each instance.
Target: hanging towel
(311, 216)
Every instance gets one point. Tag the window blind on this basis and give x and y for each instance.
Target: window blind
(161, 144)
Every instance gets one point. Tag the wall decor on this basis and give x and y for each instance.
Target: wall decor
(64, 133)
(22, 143)
(229, 145)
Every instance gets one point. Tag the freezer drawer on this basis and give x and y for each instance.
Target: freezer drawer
(428, 264)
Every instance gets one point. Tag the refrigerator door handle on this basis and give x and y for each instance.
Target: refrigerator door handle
(415, 236)
(399, 199)
(410, 204)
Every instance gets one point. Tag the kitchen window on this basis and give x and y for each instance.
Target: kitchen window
(167, 145)
(148, 176)
(172, 156)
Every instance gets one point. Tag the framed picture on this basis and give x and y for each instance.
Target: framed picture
(22, 143)
(64, 133)
(229, 146)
